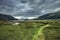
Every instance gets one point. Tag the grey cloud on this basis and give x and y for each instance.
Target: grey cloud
(28, 7)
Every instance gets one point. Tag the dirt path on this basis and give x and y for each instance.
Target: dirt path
(39, 32)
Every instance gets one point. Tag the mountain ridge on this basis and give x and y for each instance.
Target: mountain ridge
(55, 15)
(6, 17)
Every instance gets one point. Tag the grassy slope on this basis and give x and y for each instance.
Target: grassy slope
(31, 30)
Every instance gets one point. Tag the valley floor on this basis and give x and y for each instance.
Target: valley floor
(30, 30)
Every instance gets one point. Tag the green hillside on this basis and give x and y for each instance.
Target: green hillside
(30, 30)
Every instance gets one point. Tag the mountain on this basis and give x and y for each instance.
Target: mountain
(6, 17)
(55, 15)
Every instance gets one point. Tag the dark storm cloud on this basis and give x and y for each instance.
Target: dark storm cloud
(28, 7)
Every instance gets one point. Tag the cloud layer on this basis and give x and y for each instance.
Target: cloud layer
(28, 8)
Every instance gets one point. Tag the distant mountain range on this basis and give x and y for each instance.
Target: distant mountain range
(6, 17)
(55, 15)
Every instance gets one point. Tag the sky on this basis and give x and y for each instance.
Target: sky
(28, 8)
